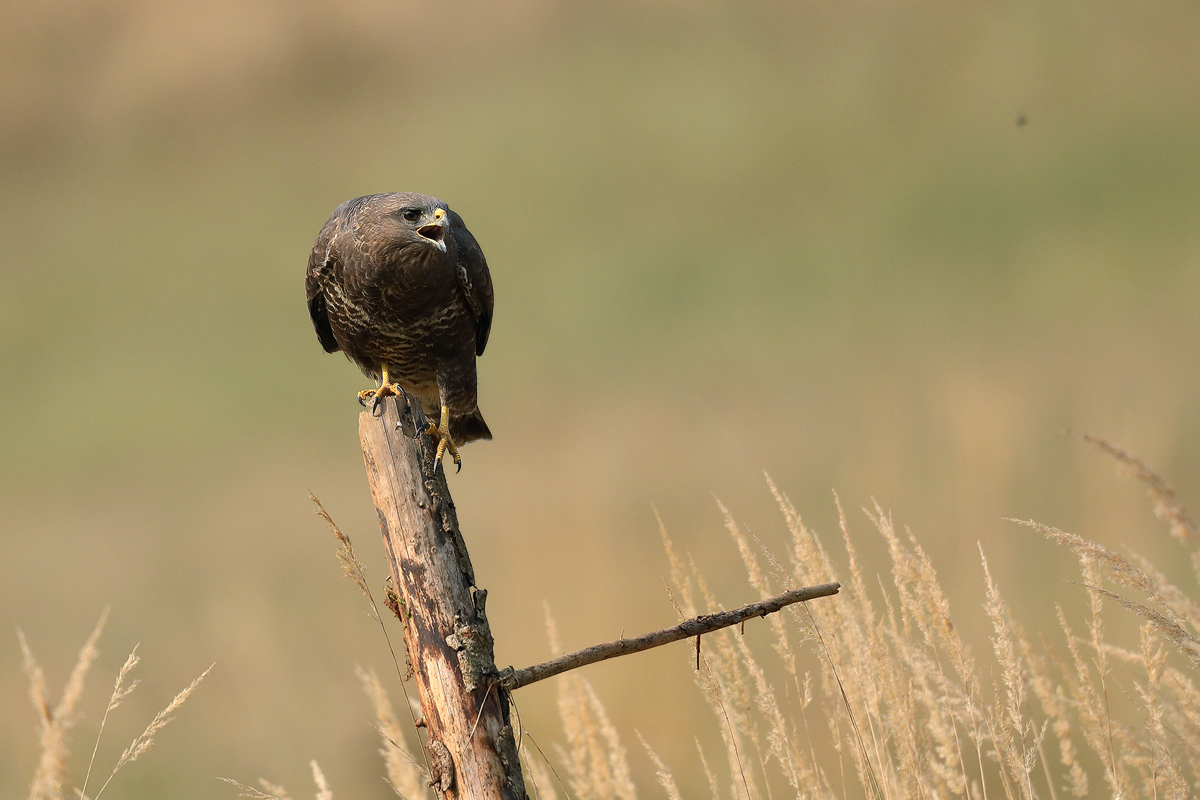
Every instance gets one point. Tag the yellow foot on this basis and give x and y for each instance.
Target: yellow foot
(442, 434)
(376, 396)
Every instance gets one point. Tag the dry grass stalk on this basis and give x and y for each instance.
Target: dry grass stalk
(1165, 772)
(1167, 506)
(56, 724)
(594, 757)
(539, 777)
(1144, 579)
(119, 693)
(270, 791)
(713, 789)
(323, 790)
(407, 776)
(351, 566)
(274, 789)
(665, 778)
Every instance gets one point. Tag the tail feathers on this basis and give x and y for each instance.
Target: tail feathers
(469, 428)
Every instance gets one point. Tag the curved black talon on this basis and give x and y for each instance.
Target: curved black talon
(444, 442)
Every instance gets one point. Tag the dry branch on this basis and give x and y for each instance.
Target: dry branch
(696, 626)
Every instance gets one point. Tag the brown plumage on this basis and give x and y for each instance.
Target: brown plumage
(398, 283)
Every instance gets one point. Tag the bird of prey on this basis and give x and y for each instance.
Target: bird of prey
(398, 283)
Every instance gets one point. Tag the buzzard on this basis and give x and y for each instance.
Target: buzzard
(398, 283)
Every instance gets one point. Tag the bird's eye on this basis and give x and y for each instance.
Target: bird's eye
(411, 214)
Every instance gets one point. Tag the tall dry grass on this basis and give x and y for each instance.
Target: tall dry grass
(898, 706)
(874, 693)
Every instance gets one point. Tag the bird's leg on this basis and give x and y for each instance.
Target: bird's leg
(442, 434)
(386, 389)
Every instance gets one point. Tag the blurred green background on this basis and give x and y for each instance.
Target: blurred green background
(892, 250)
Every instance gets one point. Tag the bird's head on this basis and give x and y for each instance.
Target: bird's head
(423, 220)
(404, 222)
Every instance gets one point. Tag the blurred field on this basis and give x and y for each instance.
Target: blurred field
(890, 250)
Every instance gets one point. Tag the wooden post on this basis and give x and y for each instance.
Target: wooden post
(464, 710)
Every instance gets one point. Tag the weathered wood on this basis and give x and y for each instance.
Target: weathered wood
(696, 626)
(449, 642)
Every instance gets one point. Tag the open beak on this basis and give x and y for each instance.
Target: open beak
(437, 230)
